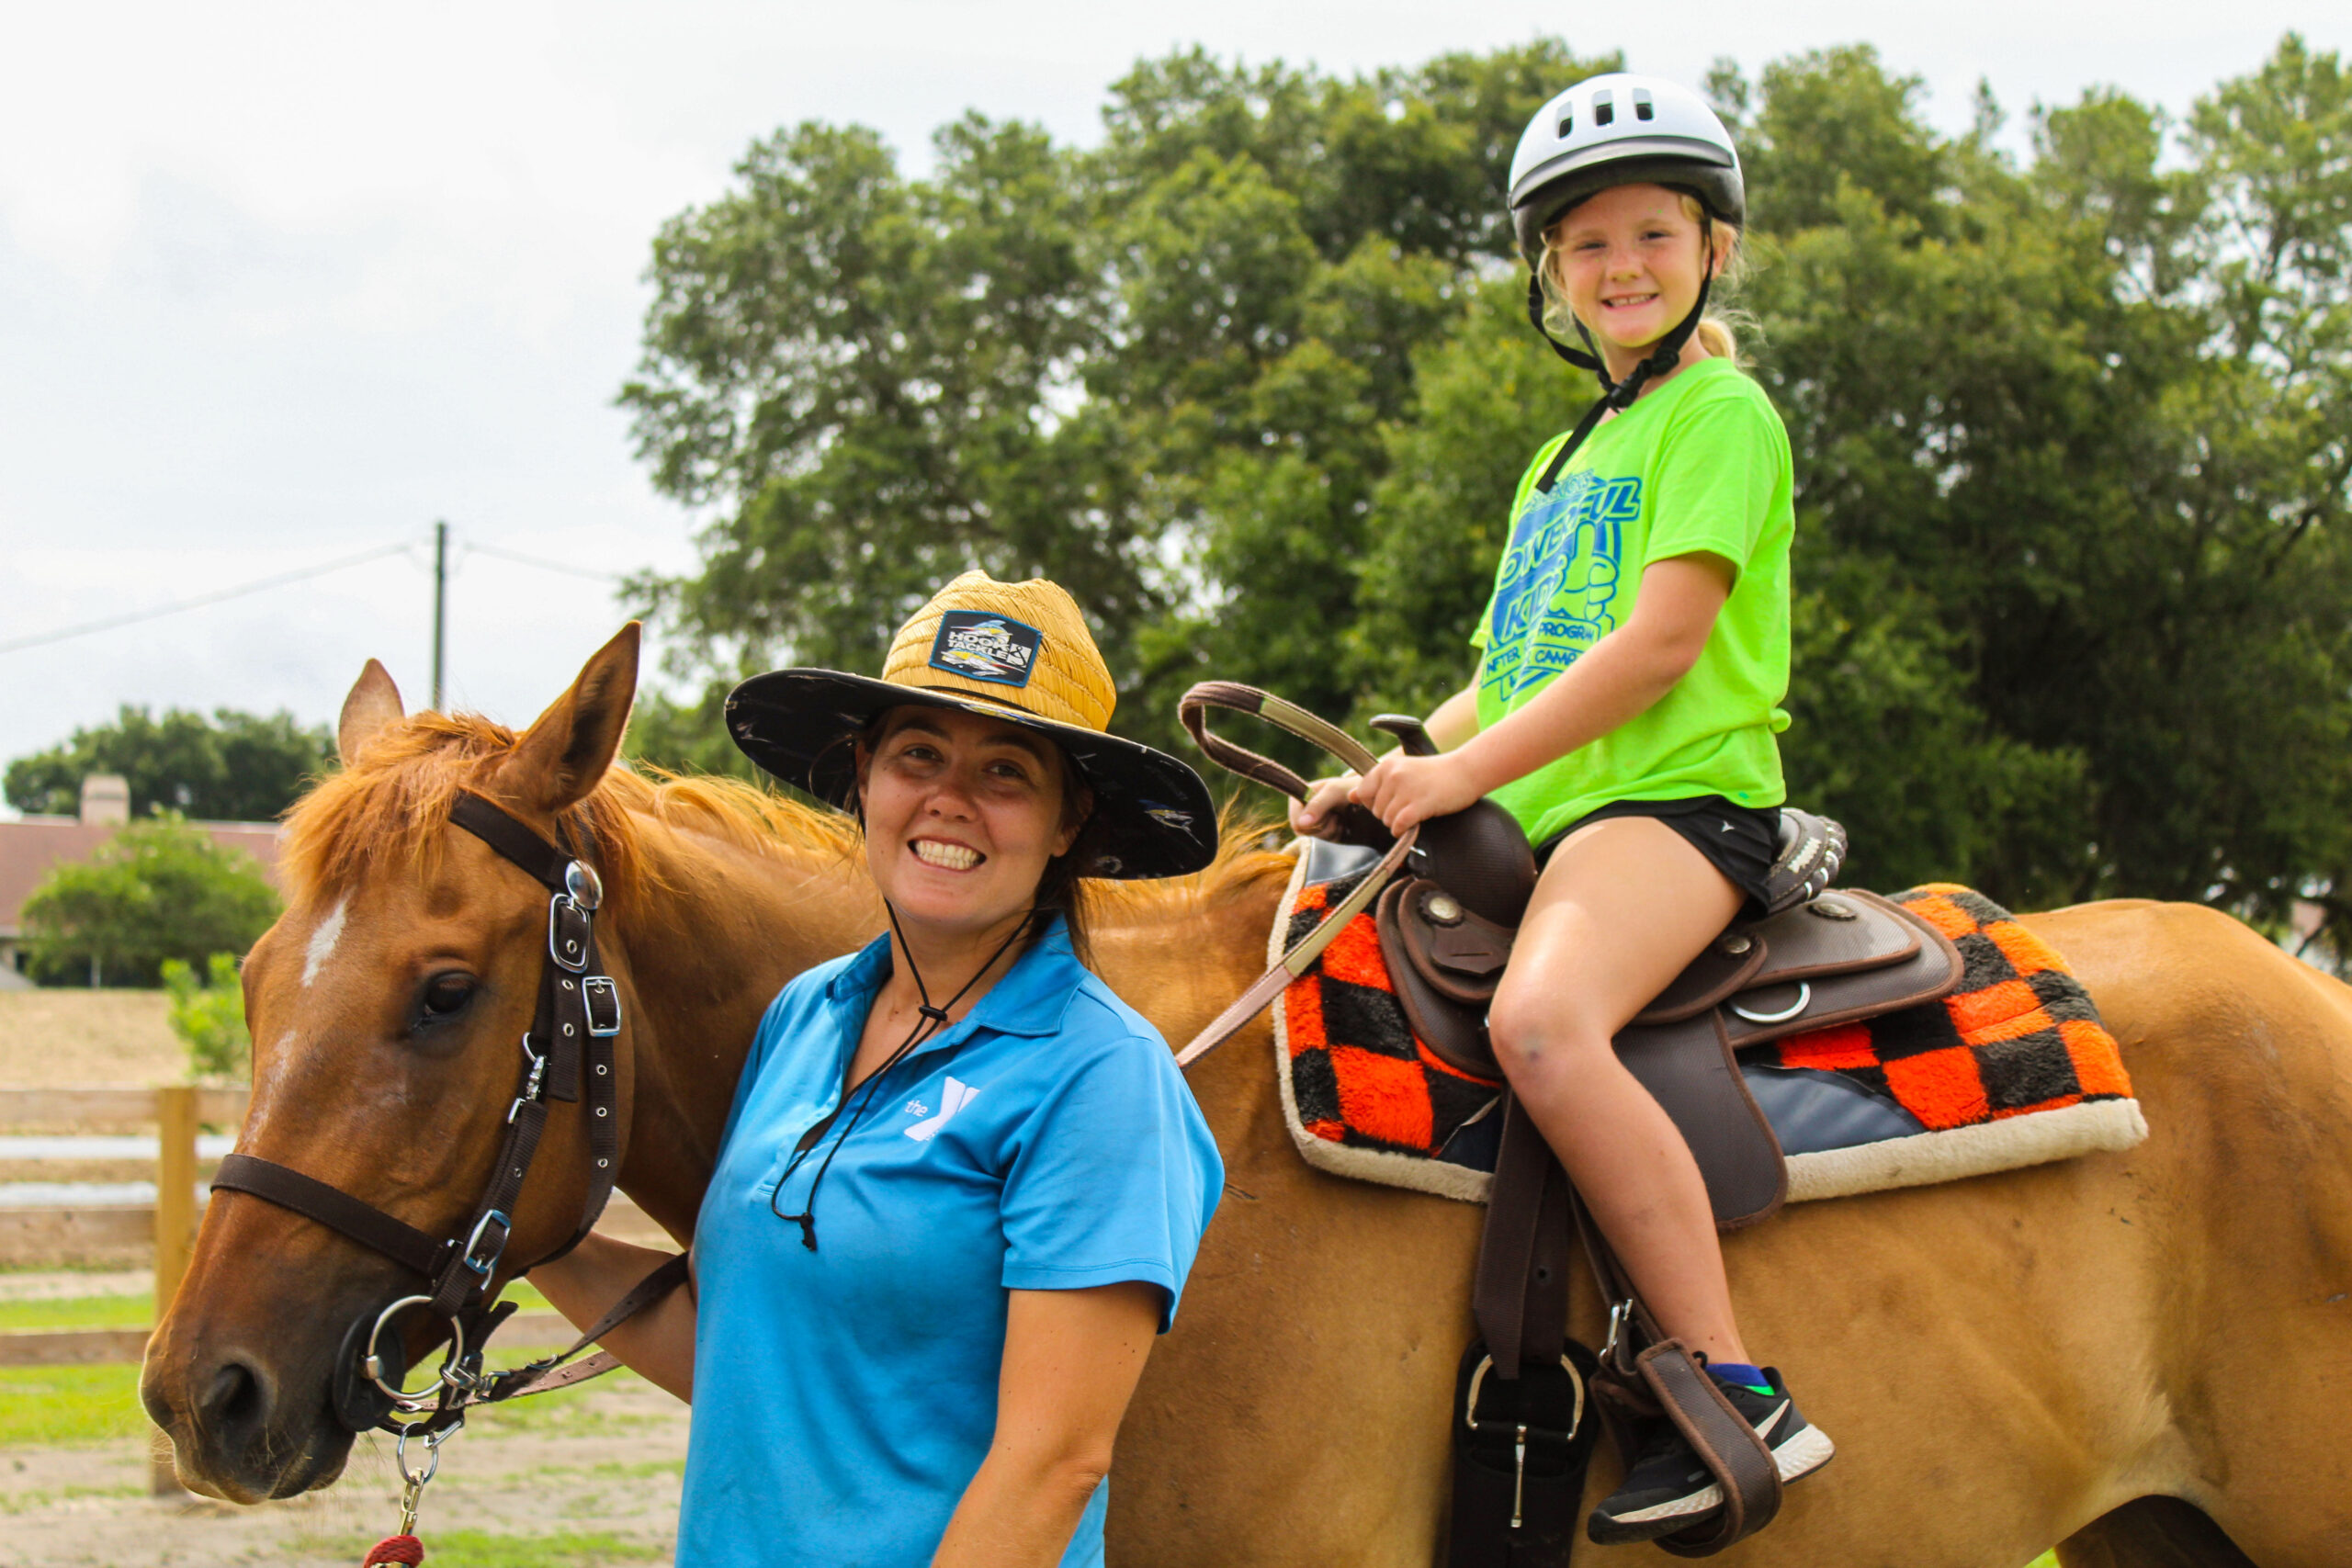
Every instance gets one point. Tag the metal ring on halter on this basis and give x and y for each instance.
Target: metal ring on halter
(372, 1367)
(1805, 1001)
(433, 1441)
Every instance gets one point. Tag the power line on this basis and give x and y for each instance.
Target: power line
(63, 634)
(474, 549)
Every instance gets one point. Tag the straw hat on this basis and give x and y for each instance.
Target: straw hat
(1018, 651)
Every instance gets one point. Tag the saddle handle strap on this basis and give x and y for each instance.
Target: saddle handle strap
(1234, 697)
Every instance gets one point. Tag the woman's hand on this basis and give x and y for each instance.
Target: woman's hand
(1312, 817)
(1406, 791)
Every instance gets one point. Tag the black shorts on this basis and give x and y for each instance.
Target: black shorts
(1738, 840)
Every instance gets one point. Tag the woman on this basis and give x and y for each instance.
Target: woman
(962, 1181)
(1633, 659)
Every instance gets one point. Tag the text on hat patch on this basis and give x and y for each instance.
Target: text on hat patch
(981, 646)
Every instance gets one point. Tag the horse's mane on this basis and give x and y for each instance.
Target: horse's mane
(391, 804)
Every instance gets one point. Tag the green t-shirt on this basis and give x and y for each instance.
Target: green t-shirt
(1700, 465)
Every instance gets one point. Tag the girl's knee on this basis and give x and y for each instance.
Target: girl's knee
(1538, 1035)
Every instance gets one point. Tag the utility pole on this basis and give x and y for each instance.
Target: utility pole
(440, 606)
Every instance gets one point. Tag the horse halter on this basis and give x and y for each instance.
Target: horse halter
(567, 1055)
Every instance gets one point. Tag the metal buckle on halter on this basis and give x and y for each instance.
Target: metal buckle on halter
(372, 1364)
(482, 1266)
(602, 999)
(568, 928)
(530, 1085)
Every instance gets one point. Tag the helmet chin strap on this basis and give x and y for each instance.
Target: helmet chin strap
(1617, 395)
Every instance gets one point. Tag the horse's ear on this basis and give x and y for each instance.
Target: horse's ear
(373, 707)
(564, 755)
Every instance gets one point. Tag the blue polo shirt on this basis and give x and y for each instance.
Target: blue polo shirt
(844, 1397)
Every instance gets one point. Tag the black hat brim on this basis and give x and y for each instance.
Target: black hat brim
(1154, 816)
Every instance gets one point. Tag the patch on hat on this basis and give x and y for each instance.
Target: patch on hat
(981, 645)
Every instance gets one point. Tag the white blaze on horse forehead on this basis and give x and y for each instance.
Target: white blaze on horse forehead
(322, 940)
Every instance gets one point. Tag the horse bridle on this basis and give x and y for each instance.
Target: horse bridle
(568, 1057)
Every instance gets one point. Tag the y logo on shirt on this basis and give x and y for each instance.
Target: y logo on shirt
(1555, 595)
(951, 1099)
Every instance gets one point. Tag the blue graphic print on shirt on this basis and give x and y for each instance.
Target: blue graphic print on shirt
(1556, 590)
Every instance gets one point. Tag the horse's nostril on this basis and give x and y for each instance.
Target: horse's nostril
(237, 1403)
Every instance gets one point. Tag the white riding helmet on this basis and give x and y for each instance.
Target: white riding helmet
(1620, 129)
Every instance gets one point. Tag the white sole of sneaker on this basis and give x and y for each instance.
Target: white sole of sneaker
(1797, 1458)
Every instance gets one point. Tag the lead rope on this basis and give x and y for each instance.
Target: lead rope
(933, 1019)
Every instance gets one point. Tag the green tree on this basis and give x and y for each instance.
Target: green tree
(208, 1012)
(1252, 377)
(234, 767)
(158, 889)
(1155, 370)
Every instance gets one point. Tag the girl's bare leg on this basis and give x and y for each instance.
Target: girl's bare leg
(1621, 907)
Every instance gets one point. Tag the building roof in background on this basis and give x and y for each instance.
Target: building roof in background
(29, 847)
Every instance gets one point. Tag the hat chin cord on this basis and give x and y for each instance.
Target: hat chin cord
(1616, 396)
(929, 1021)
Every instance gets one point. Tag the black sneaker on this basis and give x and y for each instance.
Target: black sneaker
(1667, 1490)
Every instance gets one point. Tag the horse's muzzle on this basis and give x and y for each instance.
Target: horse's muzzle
(234, 1436)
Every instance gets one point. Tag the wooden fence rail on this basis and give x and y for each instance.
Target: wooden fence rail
(178, 1112)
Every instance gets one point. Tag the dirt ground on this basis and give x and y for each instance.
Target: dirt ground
(588, 1478)
(61, 1039)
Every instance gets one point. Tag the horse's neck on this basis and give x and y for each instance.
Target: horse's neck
(718, 931)
(1180, 965)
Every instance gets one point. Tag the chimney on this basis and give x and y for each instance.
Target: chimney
(105, 800)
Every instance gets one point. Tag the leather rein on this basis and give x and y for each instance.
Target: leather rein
(568, 1059)
(1356, 825)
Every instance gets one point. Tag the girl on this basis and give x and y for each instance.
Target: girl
(1624, 708)
(962, 1182)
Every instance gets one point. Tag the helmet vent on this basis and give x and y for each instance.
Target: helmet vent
(1568, 126)
(1643, 108)
(1604, 109)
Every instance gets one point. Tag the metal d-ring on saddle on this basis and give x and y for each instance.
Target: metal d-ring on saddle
(568, 1057)
(1447, 900)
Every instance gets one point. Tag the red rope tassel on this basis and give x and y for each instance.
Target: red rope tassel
(401, 1549)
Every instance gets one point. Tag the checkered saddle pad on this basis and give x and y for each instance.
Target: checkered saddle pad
(2013, 1069)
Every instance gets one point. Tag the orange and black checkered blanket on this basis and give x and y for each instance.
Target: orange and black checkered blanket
(2017, 1043)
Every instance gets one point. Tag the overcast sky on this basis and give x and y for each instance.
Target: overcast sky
(280, 284)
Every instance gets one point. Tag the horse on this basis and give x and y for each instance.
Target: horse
(2140, 1356)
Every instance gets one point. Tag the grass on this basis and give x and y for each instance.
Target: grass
(81, 1311)
(63, 1406)
(479, 1549)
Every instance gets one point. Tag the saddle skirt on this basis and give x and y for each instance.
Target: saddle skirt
(1776, 1052)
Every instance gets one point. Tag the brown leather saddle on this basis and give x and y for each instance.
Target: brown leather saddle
(1836, 958)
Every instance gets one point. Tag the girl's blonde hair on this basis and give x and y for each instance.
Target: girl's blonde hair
(1718, 330)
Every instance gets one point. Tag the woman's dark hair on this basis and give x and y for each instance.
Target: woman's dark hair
(1062, 889)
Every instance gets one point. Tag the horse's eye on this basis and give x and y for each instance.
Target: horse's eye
(448, 992)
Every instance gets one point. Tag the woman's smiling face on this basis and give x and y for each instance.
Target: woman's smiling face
(1629, 262)
(962, 814)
